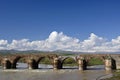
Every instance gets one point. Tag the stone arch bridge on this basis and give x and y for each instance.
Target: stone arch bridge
(112, 61)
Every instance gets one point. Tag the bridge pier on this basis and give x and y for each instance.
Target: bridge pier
(56, 64)
(31, 64)
(81, 63)
(6, 63)
(108, 64)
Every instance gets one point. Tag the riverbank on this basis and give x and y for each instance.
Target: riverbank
(115, 76)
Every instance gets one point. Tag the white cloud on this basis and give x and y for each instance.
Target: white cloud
(92, 41)
(60, 41)
(3, 44)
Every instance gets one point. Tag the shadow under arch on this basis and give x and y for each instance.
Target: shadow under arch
(113, 64)
(8, 64)
(69, 63)
(1, 60)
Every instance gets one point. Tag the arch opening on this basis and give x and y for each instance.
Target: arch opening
(69, 63)
(95, 63)
(45, 63)
(20, 63)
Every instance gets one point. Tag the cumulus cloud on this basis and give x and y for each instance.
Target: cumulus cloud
(3, 44)
(93, 41)
(60, 41)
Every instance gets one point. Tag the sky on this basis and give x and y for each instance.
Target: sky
(70, 25)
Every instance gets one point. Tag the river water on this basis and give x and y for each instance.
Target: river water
(47, 73)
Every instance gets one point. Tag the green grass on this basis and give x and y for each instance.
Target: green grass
(95, 61)
(45, 61)
(69, 62)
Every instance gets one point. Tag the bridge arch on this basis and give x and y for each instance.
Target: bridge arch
(93, 62)
(18, 61)
(44, 61)
(70, 61)
(100, 60)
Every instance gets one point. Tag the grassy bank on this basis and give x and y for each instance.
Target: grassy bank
(116, 76)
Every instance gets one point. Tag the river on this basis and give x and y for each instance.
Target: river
(47, 73)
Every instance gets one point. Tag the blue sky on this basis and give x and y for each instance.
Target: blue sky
(37, 19)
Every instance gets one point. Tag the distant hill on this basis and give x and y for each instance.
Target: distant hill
(56, 52)
(16, 51)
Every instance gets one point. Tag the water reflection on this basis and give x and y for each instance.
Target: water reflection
(44, 66)
(100, 67)
(46, 73)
